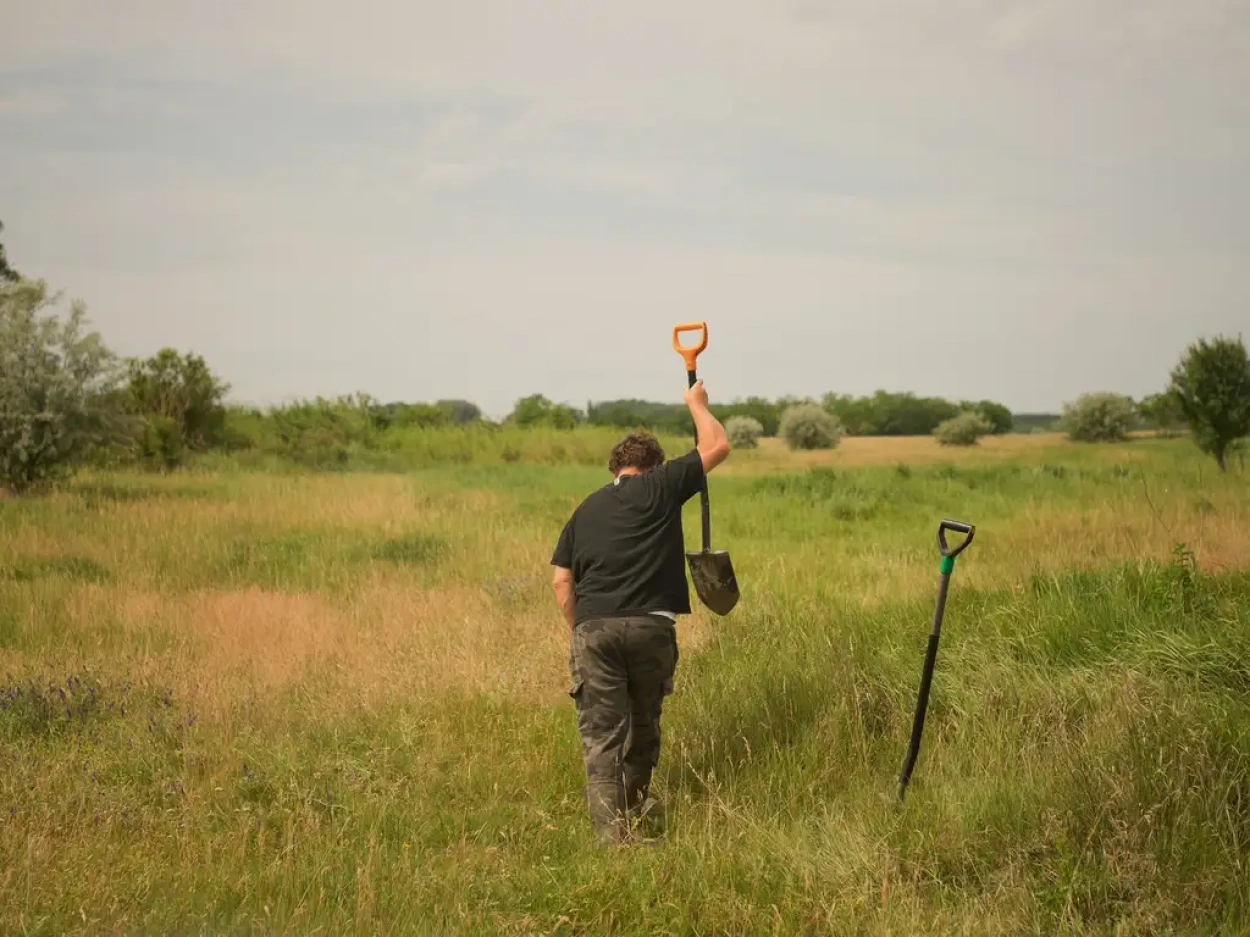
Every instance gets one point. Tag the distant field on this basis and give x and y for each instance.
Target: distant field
(773, 454)
(285, 702)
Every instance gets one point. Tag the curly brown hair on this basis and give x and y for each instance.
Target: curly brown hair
(640, 450)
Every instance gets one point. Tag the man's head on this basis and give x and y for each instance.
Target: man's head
(638, 452)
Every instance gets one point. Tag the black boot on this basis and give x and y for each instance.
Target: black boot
(639, 806)
(606, 801)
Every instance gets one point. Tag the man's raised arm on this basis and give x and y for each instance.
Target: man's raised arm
(713, 443)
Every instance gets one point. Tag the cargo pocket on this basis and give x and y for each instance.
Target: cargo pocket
(575, 675)
(667, 684)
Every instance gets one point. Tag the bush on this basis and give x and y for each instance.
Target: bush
(810, 426)
(176, 395)
(321, 433)
(1099, 417)
(162, 442)
(743, 432)
(963, 430)
(58, 388)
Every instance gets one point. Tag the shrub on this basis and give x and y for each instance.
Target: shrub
(177, 395)
(162, 442)
(58, 399)
(321, 433)
(963, 430)
(244, 428)
(810, 426)
(743, 432)
(1099, 417)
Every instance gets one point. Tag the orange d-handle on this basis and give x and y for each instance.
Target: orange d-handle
(690, 353)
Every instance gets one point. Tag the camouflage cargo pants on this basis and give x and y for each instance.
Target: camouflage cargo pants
(621, 669)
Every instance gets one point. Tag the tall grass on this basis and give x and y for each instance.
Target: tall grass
(275, 702)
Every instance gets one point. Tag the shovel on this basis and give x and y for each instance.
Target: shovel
(711, 570)
(926, 676)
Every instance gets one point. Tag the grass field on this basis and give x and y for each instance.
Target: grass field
(280, 702)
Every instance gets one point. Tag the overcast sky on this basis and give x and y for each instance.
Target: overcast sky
(1020, 201)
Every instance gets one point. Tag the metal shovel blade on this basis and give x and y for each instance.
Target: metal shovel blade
(714, 581)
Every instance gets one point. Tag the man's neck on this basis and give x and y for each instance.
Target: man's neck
(625, 472)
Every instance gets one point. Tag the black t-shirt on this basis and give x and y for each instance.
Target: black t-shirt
(625, 546)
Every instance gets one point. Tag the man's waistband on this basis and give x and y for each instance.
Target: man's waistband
(669, 617)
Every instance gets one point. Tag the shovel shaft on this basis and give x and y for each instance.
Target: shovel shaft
(691, 378)
(926, 676)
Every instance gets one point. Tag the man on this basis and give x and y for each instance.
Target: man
(620, 581)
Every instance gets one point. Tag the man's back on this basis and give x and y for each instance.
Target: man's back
(624, 543)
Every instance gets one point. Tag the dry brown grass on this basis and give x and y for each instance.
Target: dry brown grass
(855, 451)
(215, 648)
(1111, 533)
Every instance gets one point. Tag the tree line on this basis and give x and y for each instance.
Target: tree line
(882, 414)
(67, 399)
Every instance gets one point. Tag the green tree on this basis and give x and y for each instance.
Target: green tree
(890, 414)
(1212, 386)
(460, 412)
(537, 410)
(630, 413)
(58, 385)
(182, 402)
(7, 273)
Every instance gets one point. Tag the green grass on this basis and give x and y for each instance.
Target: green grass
(273, 702)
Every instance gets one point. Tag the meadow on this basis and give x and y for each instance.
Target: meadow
(248, 697)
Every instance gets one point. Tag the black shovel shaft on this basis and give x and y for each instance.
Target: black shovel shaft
(926, 680)
(691, 377)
